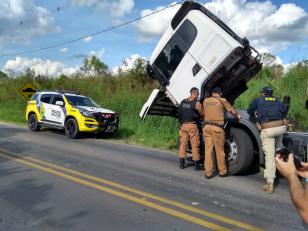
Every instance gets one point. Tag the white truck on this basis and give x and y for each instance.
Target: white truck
(199, 50)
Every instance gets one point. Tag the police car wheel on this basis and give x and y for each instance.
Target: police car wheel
(71, 128)
(239, 151)
(33, 124)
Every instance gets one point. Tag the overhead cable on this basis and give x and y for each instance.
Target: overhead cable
(89, 35)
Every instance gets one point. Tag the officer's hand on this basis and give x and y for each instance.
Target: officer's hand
(238, 117)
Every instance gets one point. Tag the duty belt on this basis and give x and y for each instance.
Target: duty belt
(272, 124)
(213, 123)
(189, 122)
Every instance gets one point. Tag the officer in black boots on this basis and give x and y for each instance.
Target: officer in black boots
(190, 111)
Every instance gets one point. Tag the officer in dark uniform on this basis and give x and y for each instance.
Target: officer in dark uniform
(190, 110)
(270, 113)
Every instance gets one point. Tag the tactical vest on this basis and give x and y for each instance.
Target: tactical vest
(187, 112)
(269, 109)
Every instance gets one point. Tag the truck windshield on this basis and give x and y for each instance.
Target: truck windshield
(80, 101)
(173, 53)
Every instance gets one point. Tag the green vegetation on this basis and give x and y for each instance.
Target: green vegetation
(127, 92)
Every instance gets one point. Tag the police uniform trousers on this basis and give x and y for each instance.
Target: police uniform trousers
(271, 139)
(189, 132)
(214, 137)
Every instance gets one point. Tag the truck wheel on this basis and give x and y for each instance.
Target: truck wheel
(33, 124)
(71, 128)
(239, 151)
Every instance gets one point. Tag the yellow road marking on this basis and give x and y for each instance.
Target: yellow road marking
(152, 196)
(137, 200)
(139, 192)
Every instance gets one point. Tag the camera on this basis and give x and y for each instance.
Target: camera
(284, 153)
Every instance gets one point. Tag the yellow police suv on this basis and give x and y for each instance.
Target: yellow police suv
(70, 111)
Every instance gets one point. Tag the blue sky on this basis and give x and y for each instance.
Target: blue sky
(288, 40)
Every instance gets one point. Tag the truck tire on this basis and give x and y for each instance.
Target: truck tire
(71, 128)
(33, 124)
(239, 151)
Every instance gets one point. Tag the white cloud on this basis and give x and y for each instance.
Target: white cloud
(287, 67)
(155, 25)
(88, 39)
(269, 28)
(117, 8)
(266, 26)
(21, 20)
(127, 64)
(43, 67)
(63, 50)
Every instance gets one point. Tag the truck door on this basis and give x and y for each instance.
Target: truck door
(175, 67)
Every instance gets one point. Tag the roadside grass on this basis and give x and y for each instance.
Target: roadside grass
(293, 84)
(127, 93)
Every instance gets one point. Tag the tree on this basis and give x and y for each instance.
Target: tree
(270, 62)
(268, 59)
(93, 66)
(3, 75)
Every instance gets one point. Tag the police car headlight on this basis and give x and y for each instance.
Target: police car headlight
(87, 114)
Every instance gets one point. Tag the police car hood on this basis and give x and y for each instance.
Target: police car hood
(94, 109)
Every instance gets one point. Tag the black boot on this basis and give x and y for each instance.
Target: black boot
(182, 163)
(197, 166)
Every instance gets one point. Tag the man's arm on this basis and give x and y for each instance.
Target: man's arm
(299, 196)
(230, 109)
(252, 108)
(199, 108)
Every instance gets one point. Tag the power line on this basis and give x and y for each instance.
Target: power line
(89, 35)
(57, 9)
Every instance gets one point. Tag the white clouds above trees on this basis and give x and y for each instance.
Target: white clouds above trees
(43, 67)
(268, 27)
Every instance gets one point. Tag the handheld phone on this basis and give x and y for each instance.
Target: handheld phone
(284, 153)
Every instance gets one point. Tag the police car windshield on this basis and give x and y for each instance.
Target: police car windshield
(80, 101)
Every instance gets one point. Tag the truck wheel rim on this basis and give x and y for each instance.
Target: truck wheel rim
(231, 151)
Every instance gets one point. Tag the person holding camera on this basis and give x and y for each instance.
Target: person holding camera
(270, 113)
(299, 195)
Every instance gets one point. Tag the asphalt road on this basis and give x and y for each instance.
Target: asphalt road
(50, 182)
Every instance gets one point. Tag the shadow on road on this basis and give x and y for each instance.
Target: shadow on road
(10, 131)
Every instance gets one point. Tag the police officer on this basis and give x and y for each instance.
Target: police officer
(270, 113)
(213, 131)
(190, 110)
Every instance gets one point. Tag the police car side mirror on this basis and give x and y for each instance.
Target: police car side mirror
(60, 103)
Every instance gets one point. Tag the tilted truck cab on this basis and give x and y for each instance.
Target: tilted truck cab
(199, 50)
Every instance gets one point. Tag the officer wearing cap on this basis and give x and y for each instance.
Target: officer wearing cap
(213, 131)
(190, 110)
(270, 113)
